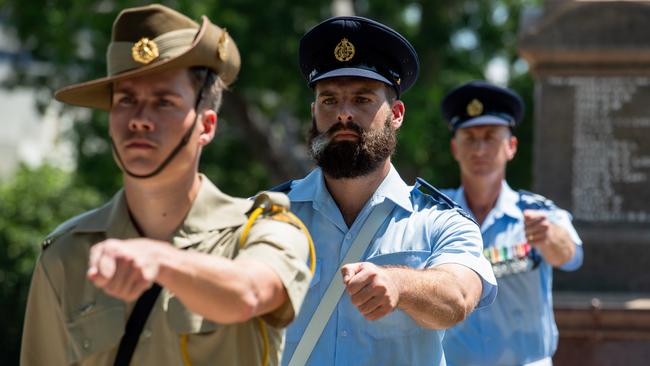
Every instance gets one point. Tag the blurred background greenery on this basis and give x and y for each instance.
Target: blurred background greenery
(266, 114)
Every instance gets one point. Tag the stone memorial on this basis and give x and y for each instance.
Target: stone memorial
(591, 64)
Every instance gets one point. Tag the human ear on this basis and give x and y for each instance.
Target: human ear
(512, 147)
(209, 120)
(398, 109)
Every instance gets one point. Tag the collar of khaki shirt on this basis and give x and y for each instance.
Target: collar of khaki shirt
(212, 210)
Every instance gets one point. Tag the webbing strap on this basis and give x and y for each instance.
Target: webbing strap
(135, 324)
(336, 287)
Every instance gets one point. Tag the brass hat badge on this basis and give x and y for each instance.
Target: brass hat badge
(344, 51)
(144, 51)
(222, 46)
(474, 108)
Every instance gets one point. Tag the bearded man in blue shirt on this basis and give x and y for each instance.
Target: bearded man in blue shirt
(525, 235)
(419, 269)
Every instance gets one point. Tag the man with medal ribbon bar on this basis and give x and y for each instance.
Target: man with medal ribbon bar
(524, 234)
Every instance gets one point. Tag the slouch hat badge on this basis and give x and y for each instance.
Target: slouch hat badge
(344, 51)
(144, 51)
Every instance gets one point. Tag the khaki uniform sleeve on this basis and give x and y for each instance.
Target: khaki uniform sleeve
(44, 337)
(284, 248)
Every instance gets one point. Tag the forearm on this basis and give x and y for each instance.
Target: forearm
(559, 248)
(437, 298)
(222, 290)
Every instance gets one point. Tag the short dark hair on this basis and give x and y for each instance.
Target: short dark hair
(209, 86)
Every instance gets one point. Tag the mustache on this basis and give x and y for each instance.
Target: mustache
(349, 125)
(322, 140)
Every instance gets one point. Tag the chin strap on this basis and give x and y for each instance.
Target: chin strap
(162, 166)
(177, 149)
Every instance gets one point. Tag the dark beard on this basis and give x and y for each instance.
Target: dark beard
(351, 159)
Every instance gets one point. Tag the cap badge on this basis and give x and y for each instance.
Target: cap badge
(344, 51)
(144, 51)
(474, 108)
(222, 46)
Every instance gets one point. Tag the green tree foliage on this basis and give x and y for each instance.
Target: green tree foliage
(266, 113)
(269, 104)
(455, 41)
(33, 203)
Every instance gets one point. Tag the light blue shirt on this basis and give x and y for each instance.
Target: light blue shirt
(419, 233)
(519, 327)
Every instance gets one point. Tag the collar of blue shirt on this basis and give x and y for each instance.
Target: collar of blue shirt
(313, 188)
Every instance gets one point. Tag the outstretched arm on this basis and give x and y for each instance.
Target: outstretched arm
(222, 290)
(435, 298)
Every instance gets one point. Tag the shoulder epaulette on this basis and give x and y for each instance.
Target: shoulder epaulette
(270, 201)
(534, 201)
(56, 234)
(274, 205)
(442, 198)
(436, 194)
(282, 187)
(65, 228)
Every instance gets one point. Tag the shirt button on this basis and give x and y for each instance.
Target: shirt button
(146, 333)
(86, 344)
(87, 308)
(344, 333)
(348, 236)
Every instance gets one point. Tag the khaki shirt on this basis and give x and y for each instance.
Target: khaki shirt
(70, 321)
